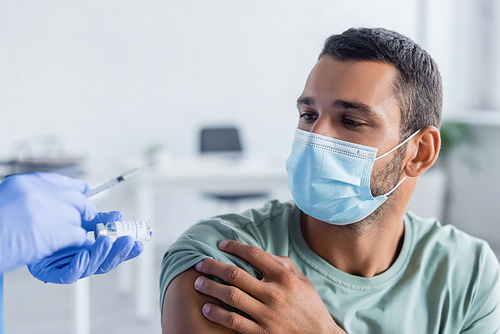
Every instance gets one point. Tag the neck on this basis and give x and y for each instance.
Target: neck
(366, 251)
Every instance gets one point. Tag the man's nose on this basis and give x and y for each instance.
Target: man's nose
(324, 126)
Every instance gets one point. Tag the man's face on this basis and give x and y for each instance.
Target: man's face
(355, 102)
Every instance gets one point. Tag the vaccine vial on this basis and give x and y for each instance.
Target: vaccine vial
(138, 229)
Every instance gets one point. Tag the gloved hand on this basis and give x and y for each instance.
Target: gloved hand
(41, 213)
(73, 263)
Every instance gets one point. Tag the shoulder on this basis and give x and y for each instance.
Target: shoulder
(455, 264)
(430, 237)
(253, 227)
(248, 226)
(258, 227)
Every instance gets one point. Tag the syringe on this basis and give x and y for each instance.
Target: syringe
(119, 179)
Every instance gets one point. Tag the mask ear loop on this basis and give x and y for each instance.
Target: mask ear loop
(395, 187)
(395, 148)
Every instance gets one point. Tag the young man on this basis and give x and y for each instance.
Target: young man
(344, 256)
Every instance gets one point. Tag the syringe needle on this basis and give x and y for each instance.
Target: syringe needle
(121, 178)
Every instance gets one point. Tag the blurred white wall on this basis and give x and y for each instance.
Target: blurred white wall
(112, 77)
(475, 182)
(475, 99)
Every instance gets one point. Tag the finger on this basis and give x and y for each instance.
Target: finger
(74, 271)
(255, 256)
(112, 216)
(64, 256)
(230, 274)
(136, 251)
(103, 217)
(229, 319)
(97, 254)
(64, 270)
(119, 251)
(230, 295)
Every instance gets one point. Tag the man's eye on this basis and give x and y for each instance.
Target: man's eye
(350, 122)
(308, 117)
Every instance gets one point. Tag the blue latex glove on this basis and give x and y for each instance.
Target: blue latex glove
(73, 263)
(41, 213)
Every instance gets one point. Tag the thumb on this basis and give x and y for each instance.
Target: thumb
(98, 254)
(103, 217)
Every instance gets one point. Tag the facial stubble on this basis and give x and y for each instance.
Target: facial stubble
(381, 182)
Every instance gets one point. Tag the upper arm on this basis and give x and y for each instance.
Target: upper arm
(182, 307)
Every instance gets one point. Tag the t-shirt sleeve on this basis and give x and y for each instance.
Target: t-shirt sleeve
(201, 241)
(484, 313)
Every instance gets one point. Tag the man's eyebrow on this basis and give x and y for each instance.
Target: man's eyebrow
(340, 104)
(308, 101)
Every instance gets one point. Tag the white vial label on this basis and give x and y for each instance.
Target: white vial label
(134, 228)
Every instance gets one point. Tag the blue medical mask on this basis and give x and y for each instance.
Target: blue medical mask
(330, 178)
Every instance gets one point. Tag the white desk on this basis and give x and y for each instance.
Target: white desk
(211, 174)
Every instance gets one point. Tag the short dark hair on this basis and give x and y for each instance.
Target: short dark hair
(418, 86)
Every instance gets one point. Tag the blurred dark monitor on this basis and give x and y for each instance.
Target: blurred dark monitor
(225, 140)
(220, 140)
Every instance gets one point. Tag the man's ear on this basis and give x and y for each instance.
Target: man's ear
(422, 151)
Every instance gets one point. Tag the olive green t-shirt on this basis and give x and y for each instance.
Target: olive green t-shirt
(443, 281)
